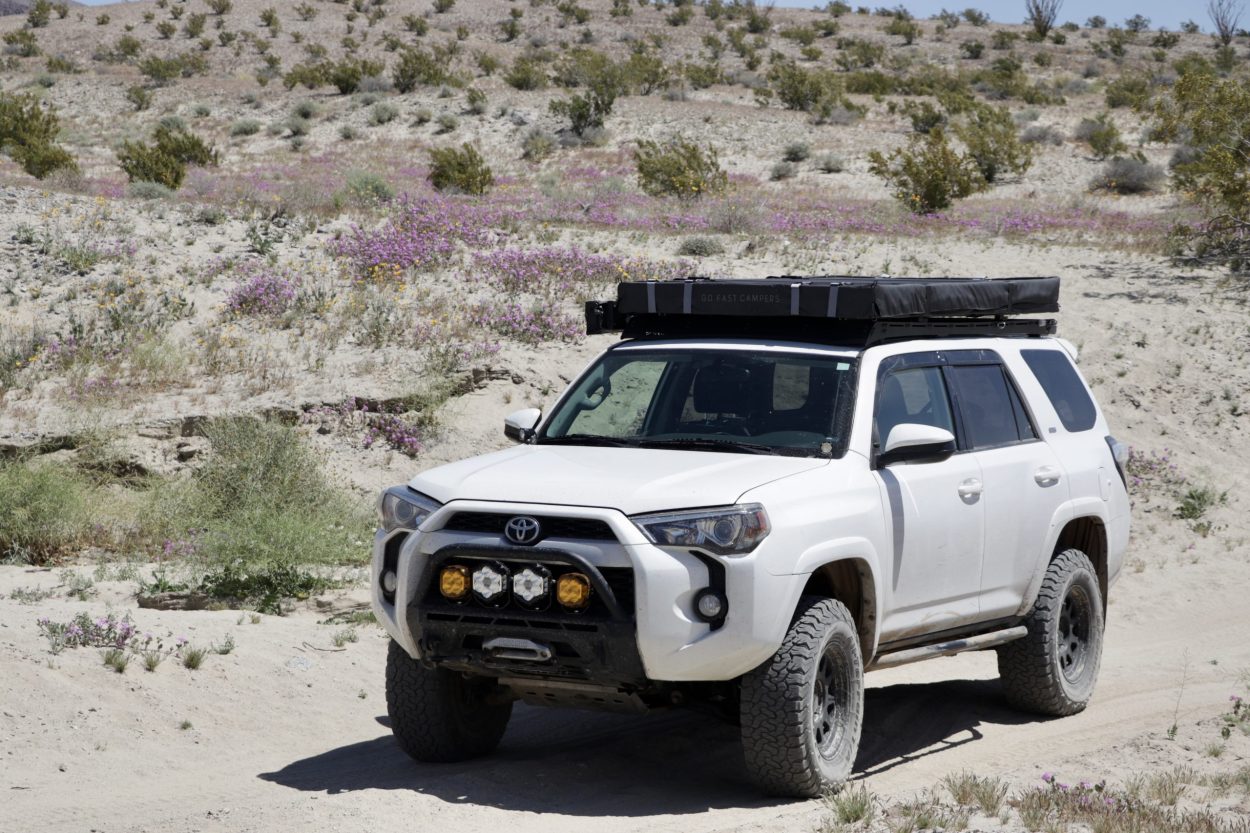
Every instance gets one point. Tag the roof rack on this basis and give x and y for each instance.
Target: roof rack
(828, 309)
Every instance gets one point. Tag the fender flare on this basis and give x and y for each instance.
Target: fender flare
(1087, 507)
(856, 549)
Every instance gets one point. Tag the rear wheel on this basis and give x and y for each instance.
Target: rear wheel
(439, 715)
(803, 709)
(1053, 669)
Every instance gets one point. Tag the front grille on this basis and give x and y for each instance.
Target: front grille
(493, 523)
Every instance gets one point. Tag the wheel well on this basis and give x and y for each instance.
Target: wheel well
(1090, 537)
(850, 582)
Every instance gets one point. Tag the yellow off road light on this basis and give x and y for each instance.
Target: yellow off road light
(453, 582)
(573, 591)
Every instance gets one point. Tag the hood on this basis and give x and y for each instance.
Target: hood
(631, 480)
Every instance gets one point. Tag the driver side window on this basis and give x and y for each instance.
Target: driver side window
(914, 395)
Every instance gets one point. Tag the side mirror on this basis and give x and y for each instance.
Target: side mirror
(519, 426)
(911, 442)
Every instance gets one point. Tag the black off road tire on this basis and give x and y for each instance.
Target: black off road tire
(439, 716)
(1052, 670)
(803, 709)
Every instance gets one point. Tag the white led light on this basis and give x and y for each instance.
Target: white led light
(488, 582)
(529, 585)
(711, 605)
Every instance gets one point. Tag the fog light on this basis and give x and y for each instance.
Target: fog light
(573, 591)
(710, 605)
(532, 586)
(490, 584)
(453, 582)
(390, 582)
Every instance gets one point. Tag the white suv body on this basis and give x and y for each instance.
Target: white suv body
(927, 556)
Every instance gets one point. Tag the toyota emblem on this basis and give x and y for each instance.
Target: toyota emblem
(522, 530)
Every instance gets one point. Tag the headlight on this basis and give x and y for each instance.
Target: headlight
(401, 508)
(733, 530)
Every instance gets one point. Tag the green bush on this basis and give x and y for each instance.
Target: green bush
(22, 42)
(537, 145)
(700, 247)
(809, 90)
(989, 133)
(906, 29)
(924, 116)
(1128, 176)
(1102, 136)
(383, 113)
(347, 74)
(1127, 91)
(245, 127)
(460, 169)
(679, 168)
(165, 160)
(604, 81)
(972, 49)
(1212, 116)
(526, 73)
(928, 175)
(28, 133)
(417, 67)
(46, 512)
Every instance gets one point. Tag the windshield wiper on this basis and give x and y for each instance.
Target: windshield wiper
(583, 439)
(736, 446)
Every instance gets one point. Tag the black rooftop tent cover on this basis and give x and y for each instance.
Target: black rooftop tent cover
(828, 308)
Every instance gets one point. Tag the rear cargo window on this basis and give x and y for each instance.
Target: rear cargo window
(1064, 388)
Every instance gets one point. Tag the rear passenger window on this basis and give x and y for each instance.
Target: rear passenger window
(1064, 388)
(992, 412)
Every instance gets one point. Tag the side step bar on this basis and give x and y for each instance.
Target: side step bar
(945, 649)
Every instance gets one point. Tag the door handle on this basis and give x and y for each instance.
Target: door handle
(972, 487)
(1046, 476)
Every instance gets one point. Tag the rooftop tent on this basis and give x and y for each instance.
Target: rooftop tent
(829, 308)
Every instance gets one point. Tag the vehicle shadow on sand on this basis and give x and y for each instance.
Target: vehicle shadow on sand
(591, 764)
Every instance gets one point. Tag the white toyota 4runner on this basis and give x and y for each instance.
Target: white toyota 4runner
(765, 489)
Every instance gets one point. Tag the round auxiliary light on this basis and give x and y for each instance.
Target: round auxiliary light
(710, 605)
(453, 582)
(532, 585)
(390, 582)
(490, 584)
(573, 591)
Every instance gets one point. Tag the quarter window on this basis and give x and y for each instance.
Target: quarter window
(992, 412)
(1064, 388)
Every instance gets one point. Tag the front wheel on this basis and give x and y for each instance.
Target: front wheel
(1052, 670)
(440, 716)
(803, 709)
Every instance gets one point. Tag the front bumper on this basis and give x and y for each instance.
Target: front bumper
(659, 638)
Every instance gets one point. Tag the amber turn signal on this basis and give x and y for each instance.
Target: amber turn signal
(453, 582)
(573, 591)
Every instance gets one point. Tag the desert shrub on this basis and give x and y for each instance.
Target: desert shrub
(679, 168)
(368, 189)
(1127, 91)
(245, 127)
(28, 134)
(39, 13)
(347, 74)
(809, 90)
(165, 160)
(417, 67)
(1102, 136)
(526, 73)
(447, 123)
(148, 191)
(194, 27)
(906, 29)
(680, 16)
(972, 49)
(1041, 14)
(1128, 176)
(1212, 115)
(443, 6)
(258, 514)
(21, 42)
(830, 163)
(700, 247)
(1003, 39)
(990, 136)
(928, 175)
(306, 75)
(1039, 134)
(783, 170)
(139, 97)
(59, 63)
(382, 113)
(46, 511)
(220, 7)
(924, 116)
(796, 152)
(976, 17)
(537, 145)
(603, 83)
(858, 54)
(460, 169)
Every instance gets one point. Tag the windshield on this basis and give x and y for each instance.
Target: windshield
(736, 400)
